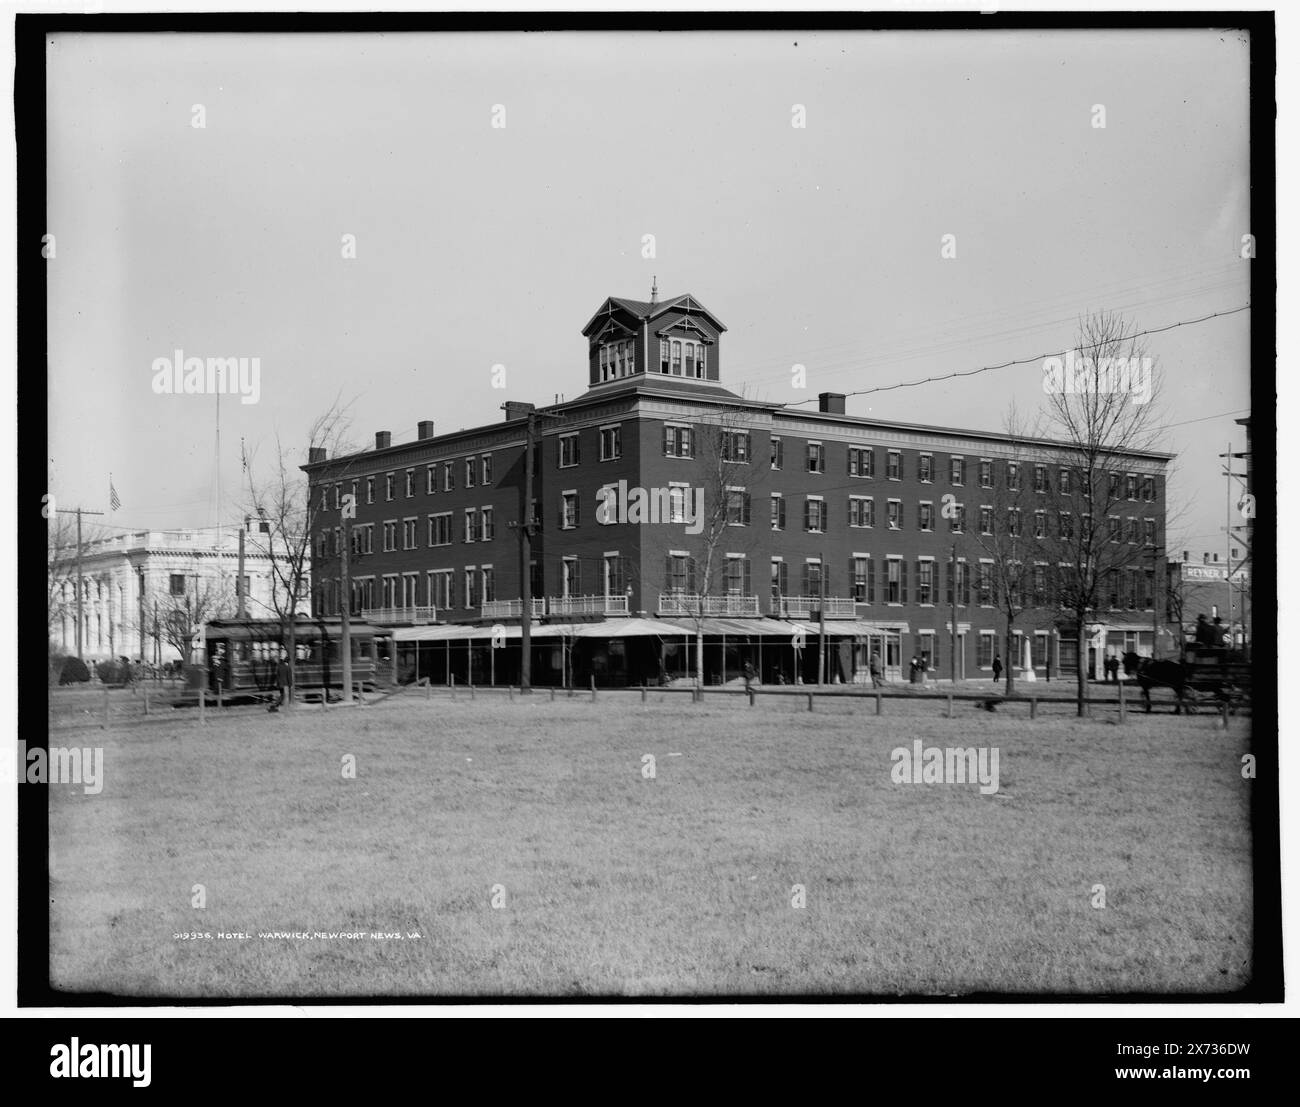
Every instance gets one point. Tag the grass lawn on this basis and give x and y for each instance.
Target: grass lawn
(616, 885)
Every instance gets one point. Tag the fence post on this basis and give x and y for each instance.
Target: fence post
(593, 689)
(1223, 711)
(511, 689)
(643, 691)
(810, 701)
(219, 704)
(751, 696)
(879, 703)
(105, 707)
(453, 685)
(428, 687)
(1033, 707)
(950, 715)
(1121, 702)
(552, 695)
(146, 698)
(203, 699)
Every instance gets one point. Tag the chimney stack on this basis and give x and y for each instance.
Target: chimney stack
(515, 409)
(425, 429)
(832, 403)
(383, 439)
(654, 290)
(315, 454)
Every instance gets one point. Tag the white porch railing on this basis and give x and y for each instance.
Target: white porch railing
(400, 614)
(803, 607)
(586, 605)
(690, 603)
(512, 609)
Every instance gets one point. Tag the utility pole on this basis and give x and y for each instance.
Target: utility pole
(346, 515)
(78, 512)
(526, 564)
(821, 630)
(952, 625)
(239, 579)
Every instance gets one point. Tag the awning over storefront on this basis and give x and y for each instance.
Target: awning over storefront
(853, 628)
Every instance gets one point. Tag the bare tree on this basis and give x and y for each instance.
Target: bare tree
(61, 550)
(179, 616)
(287, 510)
(1101, 403)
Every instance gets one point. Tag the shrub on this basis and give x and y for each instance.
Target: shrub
(74, 671)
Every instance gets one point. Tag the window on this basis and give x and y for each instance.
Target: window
(862, 461)
(430, 480)
(1040, 585)
(1149, 489)
(1114, 486)
(986, 473)
(778, 511)
(814, 515)
(957, 518)
(324, 497)
(816, 457)
(984, 650)
(1149, 531)
(895, 580)
(486, 525)
(925, 582)
(370, 490)
(390, 484)
(737, 575)
(1115, 527)
(1063, 481)
(470, 473)
(471, 586)
(448, 477)
(1131, 531)
(735, 446)
(957, 471)
(1040, 524)
(487, 584)
(677, 358)
(611, 443)
(569, 455)
(780, 578)
(614, 575)
(410, 483)
(442, 588)
(778, 452)
(408, 533)
(737, 507)
(1040, 478)
(894, 513)
(925, 468)
(569, 510)
(863, 577)
(1131, 486)
(677, 494)
(471, 529)
(1013, 476)
(862, 511)
(1040, 649)
(1013, 522)
(1067, 524)
(440, 529)
(925, 515)
(963, 584)
(177, 584)
(486, 469)
(986, 520)
(390, 539)
(812, 578)
(680, 573)
(678, 442)
(663, 355)
(894, 465)
(984, 584)
(368, 538)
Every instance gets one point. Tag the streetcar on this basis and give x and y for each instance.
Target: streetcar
(240, 657)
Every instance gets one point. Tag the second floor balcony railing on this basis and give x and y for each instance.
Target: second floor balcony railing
(690, 603)
(586, 605)
(388, 615)
(512, 609)
(806, 607)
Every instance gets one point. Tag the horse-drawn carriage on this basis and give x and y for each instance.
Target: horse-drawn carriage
(1209, 676)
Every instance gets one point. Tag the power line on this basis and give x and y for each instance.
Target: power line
(1034, 358)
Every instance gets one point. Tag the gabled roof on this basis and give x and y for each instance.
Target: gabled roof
(641, 310)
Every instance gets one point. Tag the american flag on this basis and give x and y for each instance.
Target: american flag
(113, 502)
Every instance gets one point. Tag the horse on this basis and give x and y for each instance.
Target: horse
(1164, 674)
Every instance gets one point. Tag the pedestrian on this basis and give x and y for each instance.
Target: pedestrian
(749, 675)
(874, 665)
(997, 668)
(284, 681)
(911, 670)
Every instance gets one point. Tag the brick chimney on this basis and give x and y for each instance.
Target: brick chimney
(514, 409)
(383, 439)
(424, 429)
(831, 402)
(315, 454)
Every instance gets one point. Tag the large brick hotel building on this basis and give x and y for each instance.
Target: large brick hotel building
(874, 525)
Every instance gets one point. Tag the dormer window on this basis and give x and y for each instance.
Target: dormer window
(617, 359)
(677, 358)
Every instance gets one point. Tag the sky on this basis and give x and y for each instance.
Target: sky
(480, 245)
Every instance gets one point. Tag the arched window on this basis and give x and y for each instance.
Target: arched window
(677, 359)
(690, 359)
(699, 360)
(663, 355)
